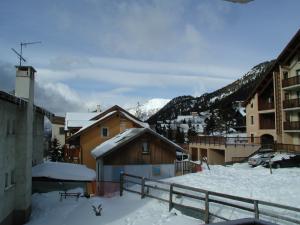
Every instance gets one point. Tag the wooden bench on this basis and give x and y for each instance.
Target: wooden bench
(69, 194)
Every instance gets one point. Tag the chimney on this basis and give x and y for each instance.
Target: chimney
(98, 108)
(25, 82)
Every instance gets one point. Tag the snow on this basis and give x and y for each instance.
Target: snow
(129, 209)
(242, 180)
(90, 123)
(115, 141)
(126, 135)
(281, 156)
(154, 104)
(149, 108)
(78, 119)
(63, 171)
(142, 124)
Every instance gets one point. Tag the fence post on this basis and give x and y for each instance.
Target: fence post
(256, 211)
(171, 198)
(206, 215)
(121, 183)
(143, 188)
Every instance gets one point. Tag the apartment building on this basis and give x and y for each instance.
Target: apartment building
(273, 108)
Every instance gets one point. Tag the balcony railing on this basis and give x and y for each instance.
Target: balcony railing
(264, 105)
(294, 125)
(291, 103)
(291, 81)
(267, 125)
(221, 140)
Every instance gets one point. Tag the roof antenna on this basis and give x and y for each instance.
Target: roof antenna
(21, 58)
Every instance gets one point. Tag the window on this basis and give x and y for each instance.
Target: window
(252, 120)
(251, 105)
(285, 75)
(252, 138)
(12, 177)
(286, 96)
(156, 170)
(61, 130)
(297, 72)
(145, 147)
(104, 132)
(6, 180)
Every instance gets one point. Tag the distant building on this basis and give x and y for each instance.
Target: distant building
(58, 129)
(99, 129)
(21, 146)
(273, 108)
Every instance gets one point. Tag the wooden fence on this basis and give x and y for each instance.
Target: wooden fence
(207, 199)
(186, 166)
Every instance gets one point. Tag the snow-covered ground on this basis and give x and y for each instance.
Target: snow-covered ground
(239, 179)
(130, 209)
(257, 183)
(242, 180)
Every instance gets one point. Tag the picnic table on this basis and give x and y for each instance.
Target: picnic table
(69, 194)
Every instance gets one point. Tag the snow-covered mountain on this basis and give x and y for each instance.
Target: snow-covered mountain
(149, 108)
(223, 105)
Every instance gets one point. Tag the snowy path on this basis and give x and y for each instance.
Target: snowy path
(126, 210)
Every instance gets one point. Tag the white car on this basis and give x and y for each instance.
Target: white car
(260, 159)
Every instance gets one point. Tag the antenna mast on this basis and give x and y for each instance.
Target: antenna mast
(20, 55)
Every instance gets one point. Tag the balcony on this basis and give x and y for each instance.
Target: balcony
(291, 103)
(267, 121)
(264, 105)
(292, 81)
(291, 125)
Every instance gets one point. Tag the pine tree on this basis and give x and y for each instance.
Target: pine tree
(55, 151)
(179, 136)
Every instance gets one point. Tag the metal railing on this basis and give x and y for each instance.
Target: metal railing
(221, 140)
(264, 105)
(291, 125)
(290, 148)
(291, 103)
(210, 201)
(291, 81)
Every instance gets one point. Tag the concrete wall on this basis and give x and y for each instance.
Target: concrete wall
(220, 154)
(21, 145)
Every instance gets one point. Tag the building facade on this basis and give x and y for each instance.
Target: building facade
(273, 109)
(138, 151)
(58, 129)
(100, 129)
(21, 146)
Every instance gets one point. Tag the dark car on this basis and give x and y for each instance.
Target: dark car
(283, 160)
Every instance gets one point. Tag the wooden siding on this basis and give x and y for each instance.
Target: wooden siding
(131, 153)
(92, 138)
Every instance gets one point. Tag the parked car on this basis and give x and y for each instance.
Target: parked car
(282, 160)
(260, 159)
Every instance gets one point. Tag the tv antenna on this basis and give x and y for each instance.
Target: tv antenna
(20, 54)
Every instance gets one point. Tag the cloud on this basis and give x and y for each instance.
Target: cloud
(7, 77)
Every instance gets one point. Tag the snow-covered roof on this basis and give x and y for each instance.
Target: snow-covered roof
(78, 119)
(94, 122)
(63, 171)
(123, 138)
(142, 124)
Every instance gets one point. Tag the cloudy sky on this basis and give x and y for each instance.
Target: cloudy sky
(123, 51)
